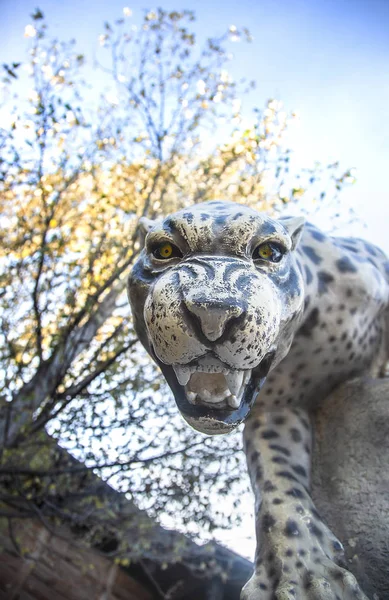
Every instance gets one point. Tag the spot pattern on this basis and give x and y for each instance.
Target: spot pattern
(317, 317)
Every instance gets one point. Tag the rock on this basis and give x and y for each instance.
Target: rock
(350, 483)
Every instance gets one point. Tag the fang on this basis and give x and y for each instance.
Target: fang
(182, 374)
(234, 381)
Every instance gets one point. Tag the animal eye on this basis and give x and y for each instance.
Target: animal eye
(269, 251)
(165, 251)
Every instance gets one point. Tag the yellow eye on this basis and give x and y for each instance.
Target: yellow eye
(269, 251)
(166, 250)
(265, 251)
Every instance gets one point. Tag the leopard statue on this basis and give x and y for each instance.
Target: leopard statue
(256, 320)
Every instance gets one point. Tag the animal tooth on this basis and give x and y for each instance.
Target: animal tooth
(234, 381)
(233, 401)
(246, 378)
(191, 396)
(182, 374)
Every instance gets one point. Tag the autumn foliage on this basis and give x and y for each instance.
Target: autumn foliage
(76, 173)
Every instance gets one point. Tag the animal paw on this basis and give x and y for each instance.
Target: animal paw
(317, 581)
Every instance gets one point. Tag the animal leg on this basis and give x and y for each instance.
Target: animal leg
(297, 555)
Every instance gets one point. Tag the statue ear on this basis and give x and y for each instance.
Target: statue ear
(144, 225)
(294, 226)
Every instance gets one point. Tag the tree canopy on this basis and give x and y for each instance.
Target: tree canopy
(77, 170)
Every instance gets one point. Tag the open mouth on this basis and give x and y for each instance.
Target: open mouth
(209, 381)
(212, 396)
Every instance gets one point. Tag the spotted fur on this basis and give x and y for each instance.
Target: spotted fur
(241, 338)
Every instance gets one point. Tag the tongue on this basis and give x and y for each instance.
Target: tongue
(209, 387)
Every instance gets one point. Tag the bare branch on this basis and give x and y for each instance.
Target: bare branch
(81, 467)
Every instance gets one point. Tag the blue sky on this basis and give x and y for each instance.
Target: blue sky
(328, 59)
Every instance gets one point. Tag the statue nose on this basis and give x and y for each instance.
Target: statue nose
(215, 318)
